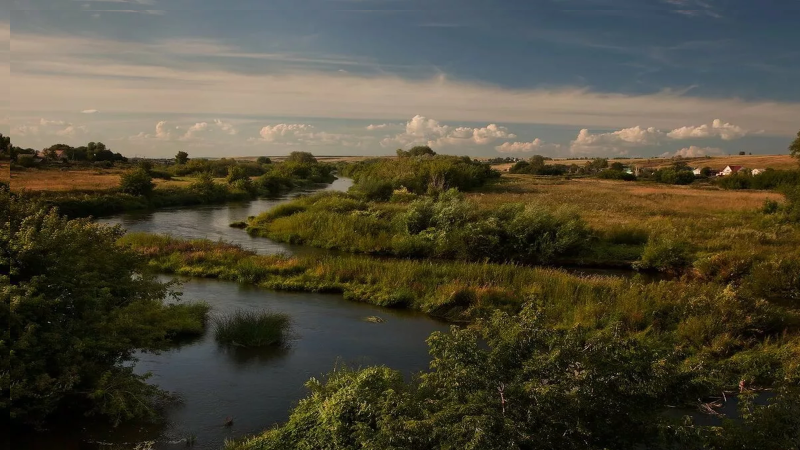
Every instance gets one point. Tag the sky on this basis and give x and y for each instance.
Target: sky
(560, 78)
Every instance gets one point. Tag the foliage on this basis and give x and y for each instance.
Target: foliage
(794, 147)
(301, 157)
(449, 226)
(5, 147)
(252, 328)
(673, 175)
(666, 254)
(79, 307)
(769, 179)
(181, 157)
(236, 173)
(421, 175)
(514, 382)
(419, 150)
(536, 166)
(614, 174)
(263, 160)
(137, 182)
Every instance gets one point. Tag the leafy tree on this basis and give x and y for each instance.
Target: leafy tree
(794, 147)
(421, 150)
(517, 383)
(5, 146)
(236, 173)
(616, 165)
(263, 160)
(137, 182)
(301, 157)
(78, 307)
(181, 157)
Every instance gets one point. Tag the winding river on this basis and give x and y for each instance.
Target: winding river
(257, 389)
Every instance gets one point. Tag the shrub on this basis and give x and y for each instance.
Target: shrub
(665, 255)
(26, 161)
(252, 328)
(236, 173)
(301, 157)
(137, 182)
(374, 190)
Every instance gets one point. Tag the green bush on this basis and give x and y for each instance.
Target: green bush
(665, 254)
(252, 329)
(82, 306)
(137, 182)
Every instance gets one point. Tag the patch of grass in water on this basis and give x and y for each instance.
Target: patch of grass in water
(252, 328)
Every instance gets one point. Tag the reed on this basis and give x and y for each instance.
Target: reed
(252, 328)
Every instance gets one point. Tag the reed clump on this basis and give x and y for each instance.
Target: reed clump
(252, 328)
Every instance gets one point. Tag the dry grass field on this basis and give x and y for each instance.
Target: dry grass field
(5, 172)
(778, 162)
(713, 219)
(88, 180)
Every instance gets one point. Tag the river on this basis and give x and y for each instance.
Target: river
(257, 389)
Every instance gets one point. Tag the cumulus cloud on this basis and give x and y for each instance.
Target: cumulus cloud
(283, 131)
(536, 145)
(195, 130)
(421, 130)
(694, 152)
(726, 131)
(89, 111)
(226, 127)
(46, 127)
(615, 142)
(377, 127)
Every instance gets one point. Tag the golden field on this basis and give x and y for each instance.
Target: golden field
(712, 218)
(87, 180)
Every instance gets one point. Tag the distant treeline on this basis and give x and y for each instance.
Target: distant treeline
(769, 179)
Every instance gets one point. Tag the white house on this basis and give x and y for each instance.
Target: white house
(730, 170)
(758, 171)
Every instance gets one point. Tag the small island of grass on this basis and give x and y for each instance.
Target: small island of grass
(252, 329)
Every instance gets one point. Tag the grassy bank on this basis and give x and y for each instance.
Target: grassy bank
(710, 233)
(732, 333)
(73, 195)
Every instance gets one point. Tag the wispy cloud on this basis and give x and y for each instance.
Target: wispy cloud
(694, 8)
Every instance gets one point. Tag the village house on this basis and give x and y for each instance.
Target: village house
(757, 171)
(731, 170)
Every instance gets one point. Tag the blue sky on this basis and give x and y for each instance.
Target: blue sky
(484, 78)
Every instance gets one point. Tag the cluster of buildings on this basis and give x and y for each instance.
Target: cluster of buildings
(728, 170)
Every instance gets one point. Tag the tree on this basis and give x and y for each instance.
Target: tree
(82, 305)
(5, 146)
(236, 173)
(181, 157)
(263, 160)
(301, 157)
(421, 150)
(618, 166)
(137, 182)
(794, 148)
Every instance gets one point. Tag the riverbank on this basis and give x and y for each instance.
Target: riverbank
(756, 340)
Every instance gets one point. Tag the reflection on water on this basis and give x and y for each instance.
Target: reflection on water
(213, 221)
(258, 388)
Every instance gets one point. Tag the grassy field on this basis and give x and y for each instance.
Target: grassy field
(5, 172)
(81, 179)
(778, 162)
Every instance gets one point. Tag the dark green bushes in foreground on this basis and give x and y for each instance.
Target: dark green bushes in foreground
(252, 328)
(448, 226)
(514, 382)
(767, 180)
(78, 307)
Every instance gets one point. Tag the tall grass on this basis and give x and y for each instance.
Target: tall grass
(252, 328)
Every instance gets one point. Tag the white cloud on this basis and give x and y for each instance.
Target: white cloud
(226, 127)
(46, 123)
(285, 131)
(694, 152)
(25, 130)
(421, 130)
(520, 147)
(89, 111)
(381, 126)
(726, 131)
(617, 142)
(195, 130)
(162, 132)
(72, 131)
(54, 73)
